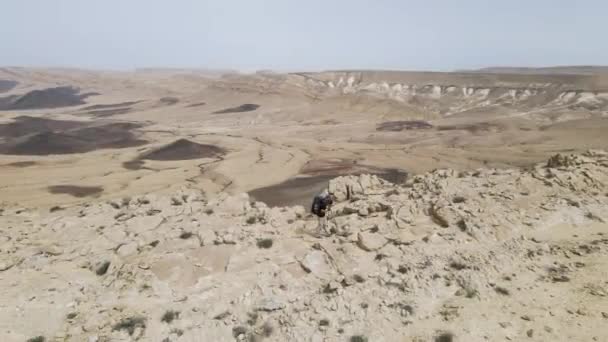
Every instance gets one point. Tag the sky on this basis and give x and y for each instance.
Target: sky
(303, 34)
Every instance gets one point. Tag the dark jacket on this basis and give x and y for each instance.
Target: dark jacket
(320, 205)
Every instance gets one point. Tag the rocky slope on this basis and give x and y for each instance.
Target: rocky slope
(437, 94)
(447, 256)
(453, 93)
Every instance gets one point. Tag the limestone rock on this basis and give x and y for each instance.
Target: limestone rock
(389, 264)
(234, 205)
(403, 237)
(51, 249)
(317, 263)
(348, 187)
(371, 241)
(269, 304)
(127, 249)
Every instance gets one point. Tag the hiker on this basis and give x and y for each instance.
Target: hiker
(321, 205)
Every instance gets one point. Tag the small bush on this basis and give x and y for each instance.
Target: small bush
(444, 337)
(324, 322)
(459, 199)
(403, 269)
(37, 339)
(185, 235)
(251, 220)
(267, 329)
(358, 338)
(380, 257)
(462, 225)
(130, 324)
(358, 278)
(239, 330)
(222, 315)
(264, 243)
(408, 308)
(72, 315)
(459, 266)
(178, 332)
(209, 211)
(253, 318)
(169, 316)
(471, 293)
(502, 291)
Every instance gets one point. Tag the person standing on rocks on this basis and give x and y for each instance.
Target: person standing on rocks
(321, 205)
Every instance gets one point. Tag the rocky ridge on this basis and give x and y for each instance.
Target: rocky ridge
(438, 93)
(456, 93)
(447, 256)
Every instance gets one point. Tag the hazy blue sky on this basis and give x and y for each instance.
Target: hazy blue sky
(303, 34)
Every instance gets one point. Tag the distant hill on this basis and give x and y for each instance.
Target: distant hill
(568, 69)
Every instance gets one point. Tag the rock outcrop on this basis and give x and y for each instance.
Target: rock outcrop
(418, 261)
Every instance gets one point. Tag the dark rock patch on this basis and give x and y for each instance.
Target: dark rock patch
(114, 135)
(23, 125)
(108, 112)
(473, 128)
(183, 149)
(111, 105)
(247, 107)
(75, 190)
(6, 85)
(22, 164)
(103, 110)
(80, 140)
(169, 100)
(196, 104)
(133, 164)
(294, 191)
(130, 324)
(394, 176)
(300, 190)
(46, 98)
(398, 126)
(7, 101)
(45, 143)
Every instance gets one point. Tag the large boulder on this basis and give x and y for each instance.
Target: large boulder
(237, 205)
(317, 263)
(347, 187)
(371, 241)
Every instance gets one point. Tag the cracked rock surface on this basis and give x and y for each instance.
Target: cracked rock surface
(487, 255)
